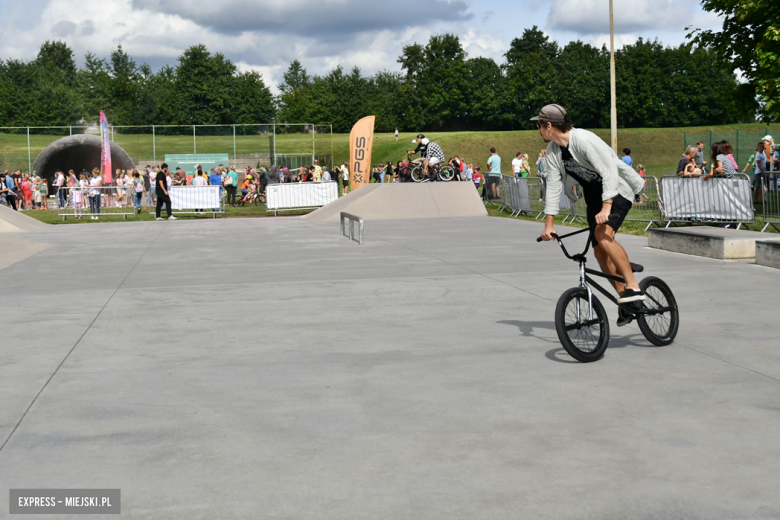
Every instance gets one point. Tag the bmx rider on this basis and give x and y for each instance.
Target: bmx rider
(576, 156)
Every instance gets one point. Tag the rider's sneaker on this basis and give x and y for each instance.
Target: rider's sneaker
(631, 295)
(624, 318)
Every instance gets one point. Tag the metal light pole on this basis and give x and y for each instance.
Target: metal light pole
(613, 108)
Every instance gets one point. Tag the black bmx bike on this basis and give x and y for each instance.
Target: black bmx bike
(444, 172)
(580, 319)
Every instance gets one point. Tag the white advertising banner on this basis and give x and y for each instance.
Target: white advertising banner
(301, 194)
(194, 197)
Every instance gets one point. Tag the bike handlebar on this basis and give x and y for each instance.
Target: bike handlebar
(558, 238)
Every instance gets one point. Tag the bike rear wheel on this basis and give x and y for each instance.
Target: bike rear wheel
(585, 339)
(418, 174)
(404, 173)
(446, 173)
(661, 328)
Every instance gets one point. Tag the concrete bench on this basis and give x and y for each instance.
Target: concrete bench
(712, 242)
(768, 253)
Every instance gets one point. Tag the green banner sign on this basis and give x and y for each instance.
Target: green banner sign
(189, 161)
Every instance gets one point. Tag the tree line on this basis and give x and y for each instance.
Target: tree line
(438, 88)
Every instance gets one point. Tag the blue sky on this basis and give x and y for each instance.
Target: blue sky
(265, 35)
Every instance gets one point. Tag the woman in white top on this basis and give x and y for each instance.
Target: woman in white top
(94, 193)
(344, 178)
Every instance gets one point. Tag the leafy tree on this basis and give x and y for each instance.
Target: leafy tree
(582, 85)
(293, 100)
(435, 87)
(749, 41)
(488, 100)
(531, 74)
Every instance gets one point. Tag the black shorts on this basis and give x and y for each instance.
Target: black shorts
(620, 208)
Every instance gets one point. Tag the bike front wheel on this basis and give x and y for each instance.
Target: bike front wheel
(418, 174)
(584, 334)
(446, 173)
(660, 322)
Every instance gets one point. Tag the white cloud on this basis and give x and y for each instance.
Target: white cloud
(592, 16)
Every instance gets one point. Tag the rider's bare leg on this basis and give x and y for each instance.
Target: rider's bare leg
(425, 166)
(613, 259)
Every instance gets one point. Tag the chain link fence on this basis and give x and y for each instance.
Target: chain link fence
(246, 145)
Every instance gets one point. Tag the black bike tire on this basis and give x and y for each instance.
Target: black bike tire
(404, 172)
(449, 169)
(667, 337)
(416, 174)
(560, 326)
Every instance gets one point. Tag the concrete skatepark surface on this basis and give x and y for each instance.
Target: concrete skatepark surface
(269, 368)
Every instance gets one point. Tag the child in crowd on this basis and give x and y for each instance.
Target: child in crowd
(37, 195)
(476, 177)
(44, 193)
(691, 169)
(641, 197)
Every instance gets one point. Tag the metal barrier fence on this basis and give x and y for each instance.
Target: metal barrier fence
(493, 191)
(646, 205)
(195, 200)
(94, 201)
(353, 219)
(722, 200)
(770, 200)
(291, 196)
(523, 195)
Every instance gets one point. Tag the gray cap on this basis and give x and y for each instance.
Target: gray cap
(552, 113)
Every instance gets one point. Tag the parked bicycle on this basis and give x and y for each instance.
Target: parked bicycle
(580, 319)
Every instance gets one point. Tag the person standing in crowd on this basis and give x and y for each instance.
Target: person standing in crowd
(699, 159)
(215, 179)
(627, 157)
(94, 194)
(317, 172)
(344, 178)
(137, 189)
(494, 173)
(325, 175)
(457, 167)
(759, 167)
(59, 183)
(4, 191)
(231, 184)
(273, 175)
(10, 194)
(517, 162)
(389, 172)
(161, 189)
(396, 134)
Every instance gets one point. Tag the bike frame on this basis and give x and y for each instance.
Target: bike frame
(586, 281)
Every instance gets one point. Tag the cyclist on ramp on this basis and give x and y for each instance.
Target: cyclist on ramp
(430, 153)
(576, 156)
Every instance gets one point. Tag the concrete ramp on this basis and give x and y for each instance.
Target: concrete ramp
(15, 221)
(14, 249)
(405, 201)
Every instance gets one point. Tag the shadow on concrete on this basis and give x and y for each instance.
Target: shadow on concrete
(527, 327)
(552, 355)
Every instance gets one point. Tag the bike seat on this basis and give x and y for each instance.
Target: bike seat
(636, 268)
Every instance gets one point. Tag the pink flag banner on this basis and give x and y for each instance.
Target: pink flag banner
(105, 149)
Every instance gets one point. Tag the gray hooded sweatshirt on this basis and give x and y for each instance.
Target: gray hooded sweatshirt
(593, 153)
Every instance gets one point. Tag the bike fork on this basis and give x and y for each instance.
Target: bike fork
(585, 285)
